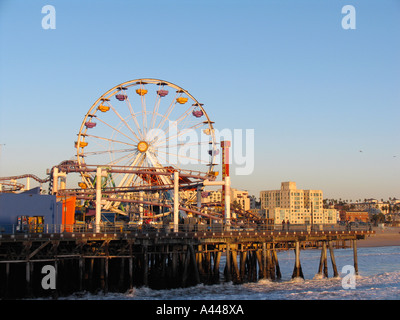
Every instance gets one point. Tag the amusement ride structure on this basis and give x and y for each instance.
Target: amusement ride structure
(145, 150)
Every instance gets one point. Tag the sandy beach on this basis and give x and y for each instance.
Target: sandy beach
(388, 236)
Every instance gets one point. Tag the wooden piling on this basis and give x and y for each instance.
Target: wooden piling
(271, 263)
(243, 258)
(264, 264)
(186, 261)
(196, 270)
(228, 270)
(130, 272)
(217, 259)
(28, 274)
(122, 273)
(7, 282)
(91, 269)
(297, 272)
(321, 262)
(236, 272)
(81, 272)
(106, 274)
(277, 268)
(335, 272)
(260, 263)
(145, 266)
(355, 256)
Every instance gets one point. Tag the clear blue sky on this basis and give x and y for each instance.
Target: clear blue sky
(315, 93)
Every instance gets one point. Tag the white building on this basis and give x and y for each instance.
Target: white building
(297, 206)
(215, 196)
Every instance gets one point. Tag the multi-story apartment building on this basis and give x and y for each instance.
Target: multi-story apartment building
(297, 206)
(241, 197)
(215, 196)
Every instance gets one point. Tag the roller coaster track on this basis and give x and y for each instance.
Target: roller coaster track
(23, 176)
(9, 184)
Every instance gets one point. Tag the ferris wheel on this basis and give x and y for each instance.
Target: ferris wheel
(146, 124)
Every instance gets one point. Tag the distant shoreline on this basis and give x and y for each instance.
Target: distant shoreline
(388, 236)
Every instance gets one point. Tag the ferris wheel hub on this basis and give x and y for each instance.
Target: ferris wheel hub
(142, 146)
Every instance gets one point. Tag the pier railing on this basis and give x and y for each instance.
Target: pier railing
(167, 228)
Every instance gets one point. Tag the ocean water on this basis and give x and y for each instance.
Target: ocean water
(378, 279)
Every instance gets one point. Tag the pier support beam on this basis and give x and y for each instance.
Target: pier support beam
(28, 270)
(217, 259)
(81, 272)
(297, 272)
(277, 268)
(145, 266)
(335, 272)
(196, 270)
(264, 264)
(355, 256)
(228, 273)
(235, 265)
(323, 261)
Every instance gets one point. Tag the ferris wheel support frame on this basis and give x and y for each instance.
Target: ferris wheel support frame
(98, 203)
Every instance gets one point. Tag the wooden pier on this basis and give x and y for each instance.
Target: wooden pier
(119, 261)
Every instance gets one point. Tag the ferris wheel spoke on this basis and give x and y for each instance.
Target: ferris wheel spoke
(164, 158)
(115, 129)
(182, 156)
(199, 143)
(182, 132)
(144, 114)
(155, 111)
(128, 176)
(110, 140)
(134, 117)
(95, 153)
(125, 158)
(179, 120)
(124, 121)
(167, 113)
(155, 163)
(185, 114)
